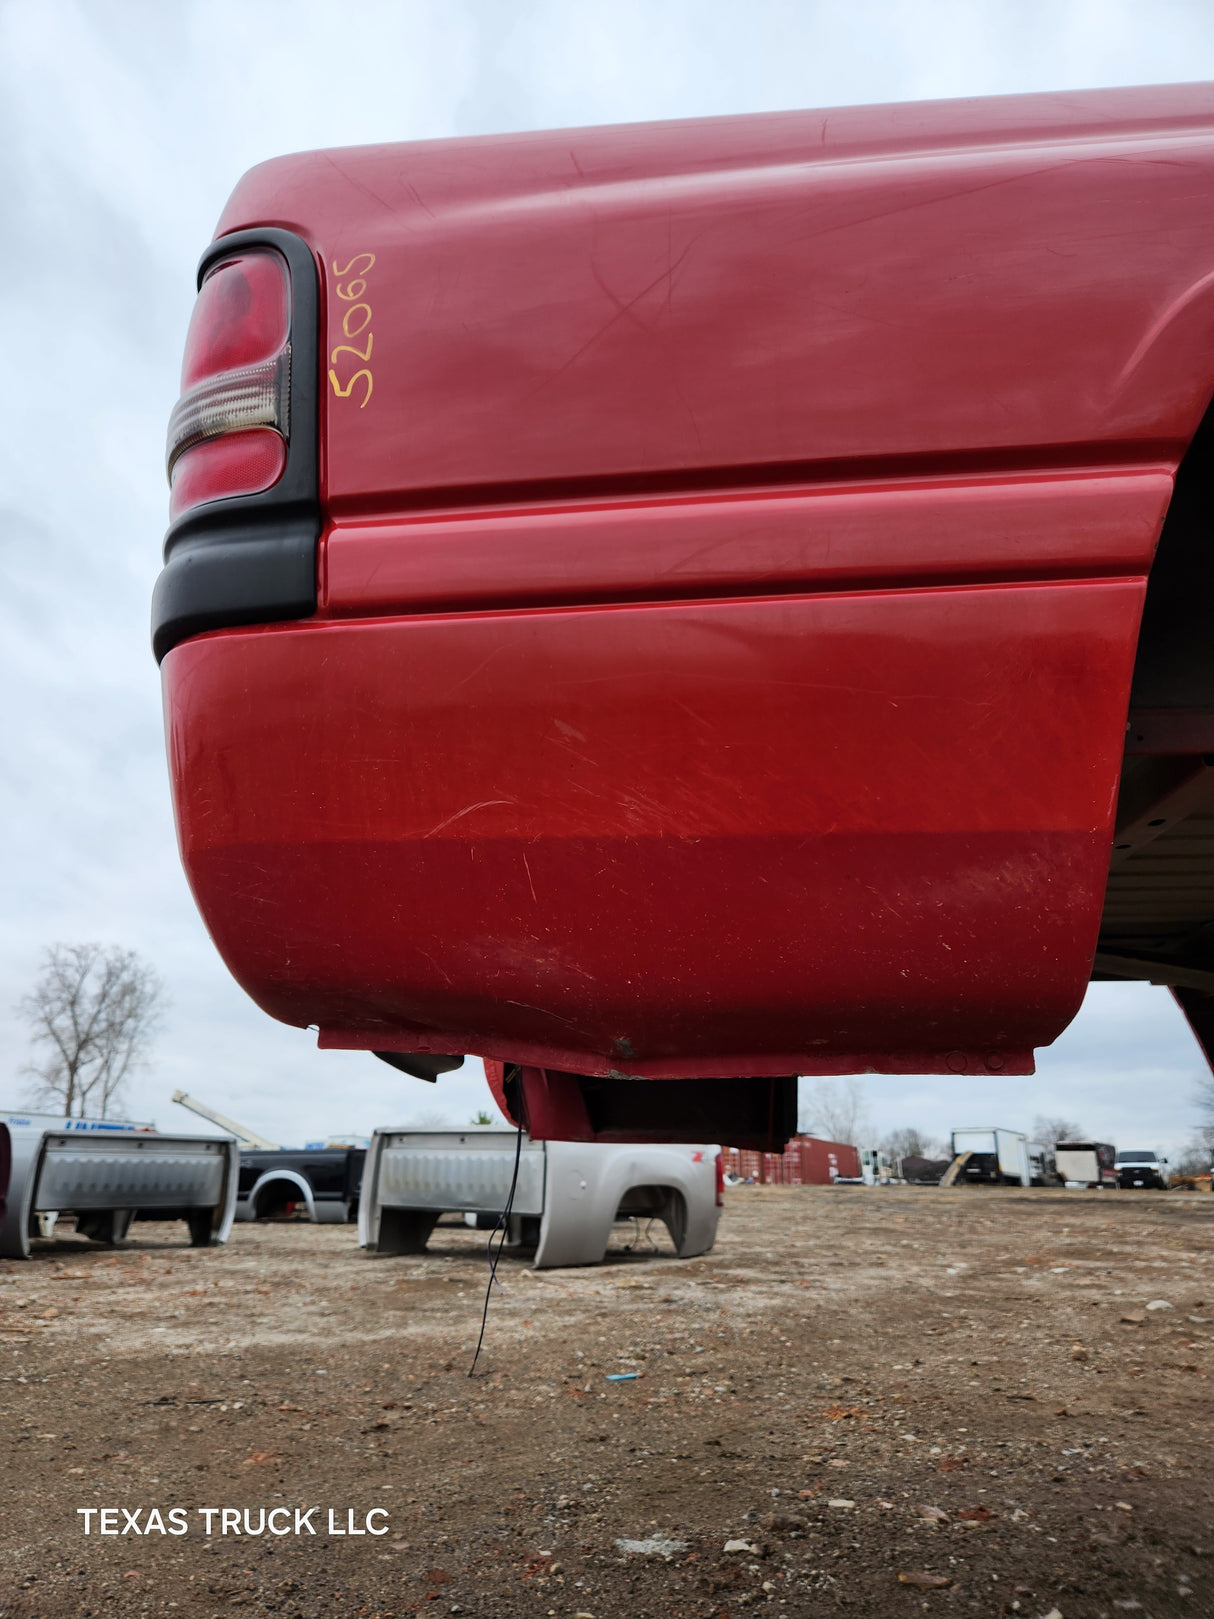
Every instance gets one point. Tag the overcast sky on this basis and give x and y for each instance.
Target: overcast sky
(124, 125)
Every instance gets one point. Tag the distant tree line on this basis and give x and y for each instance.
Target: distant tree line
(837, 1110)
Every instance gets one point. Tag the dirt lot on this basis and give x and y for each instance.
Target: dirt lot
(873, 1389)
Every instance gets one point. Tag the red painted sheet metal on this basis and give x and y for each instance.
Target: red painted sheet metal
(495, 1076)
(822, 826)
(729, 1063)
(731, 578)
(552, 1103)
(986, 283)
(1027, 526)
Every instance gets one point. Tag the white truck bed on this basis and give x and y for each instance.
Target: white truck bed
(106, 1176)
(569, 1192)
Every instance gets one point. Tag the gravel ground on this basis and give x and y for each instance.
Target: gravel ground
(890, 1400)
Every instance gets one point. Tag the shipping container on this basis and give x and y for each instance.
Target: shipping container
(806, 1161)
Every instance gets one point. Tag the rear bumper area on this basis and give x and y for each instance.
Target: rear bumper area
(811, 834)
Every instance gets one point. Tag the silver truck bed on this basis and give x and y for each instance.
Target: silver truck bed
(573, 1191)
(119, 1173)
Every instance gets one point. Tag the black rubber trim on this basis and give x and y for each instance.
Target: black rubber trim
(419, 1066)
(252, 559)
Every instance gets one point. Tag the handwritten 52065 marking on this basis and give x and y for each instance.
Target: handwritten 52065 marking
(356, 325)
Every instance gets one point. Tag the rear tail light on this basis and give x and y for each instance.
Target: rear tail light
(229, 430)
(243, 448)
(720, 1180)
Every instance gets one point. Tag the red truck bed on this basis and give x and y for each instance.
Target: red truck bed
(729, 543)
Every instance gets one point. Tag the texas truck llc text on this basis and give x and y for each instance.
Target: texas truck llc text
(231, 1521)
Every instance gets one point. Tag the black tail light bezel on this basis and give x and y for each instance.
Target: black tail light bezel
(251, 559)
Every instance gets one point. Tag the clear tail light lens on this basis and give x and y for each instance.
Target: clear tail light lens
(255, 397)
(229, 430)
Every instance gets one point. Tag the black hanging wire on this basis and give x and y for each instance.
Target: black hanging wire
(503, 1225)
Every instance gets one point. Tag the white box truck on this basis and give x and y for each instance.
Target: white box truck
(1000, 1157)
(567, 1197)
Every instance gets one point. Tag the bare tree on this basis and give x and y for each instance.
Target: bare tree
(93, 1012)
(1049, 1132)
(836, 1110)
(1204, 1097)
(1197, 1155)
(910, 1143)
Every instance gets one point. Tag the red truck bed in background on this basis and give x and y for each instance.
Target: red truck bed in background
(730, 542)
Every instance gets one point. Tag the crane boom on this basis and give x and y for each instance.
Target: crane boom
(247, 1138)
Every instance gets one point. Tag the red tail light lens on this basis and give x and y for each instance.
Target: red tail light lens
(229, 430)
(236, 464)
(720, 1180)
(243, 314)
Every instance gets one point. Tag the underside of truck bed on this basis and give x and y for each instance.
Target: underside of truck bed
(1158, 921)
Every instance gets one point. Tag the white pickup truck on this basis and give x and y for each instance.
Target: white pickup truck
(566, 1200)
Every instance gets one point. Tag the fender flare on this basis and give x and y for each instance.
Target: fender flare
(573, 1232)
(225, 1209)
(368, 1197)
(28, 1150)
(294, 1178)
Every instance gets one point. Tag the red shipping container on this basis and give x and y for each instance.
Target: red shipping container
(823, 1161)
(806, 1161)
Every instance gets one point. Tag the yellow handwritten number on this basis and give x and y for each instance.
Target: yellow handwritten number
(344, 393)
(347, 348)
(370, 258)
(349, 294)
